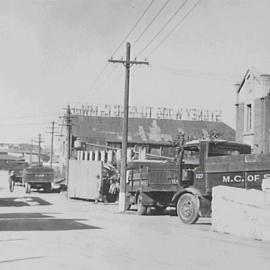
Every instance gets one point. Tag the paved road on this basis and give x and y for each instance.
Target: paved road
(47, 231)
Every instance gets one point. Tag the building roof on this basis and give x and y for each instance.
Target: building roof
(7, 157)
(246, 76)
(145, 130)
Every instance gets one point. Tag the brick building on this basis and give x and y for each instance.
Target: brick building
(253, 111)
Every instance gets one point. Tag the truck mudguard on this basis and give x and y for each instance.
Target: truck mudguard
(191, 190)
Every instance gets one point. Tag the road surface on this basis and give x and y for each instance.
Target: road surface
(47, 231)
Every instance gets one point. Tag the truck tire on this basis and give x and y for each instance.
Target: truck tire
(47, 188)
(27, 188)
(141, 209)
(187, 208)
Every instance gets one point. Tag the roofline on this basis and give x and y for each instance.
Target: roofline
(243, 81)
(196, 142)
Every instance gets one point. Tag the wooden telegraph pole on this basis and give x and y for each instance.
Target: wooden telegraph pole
(39, 148)
(127, 63)
(31, 153)
(68, 124)
(52, 135)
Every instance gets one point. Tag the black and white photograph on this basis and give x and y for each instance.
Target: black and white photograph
(134, 134)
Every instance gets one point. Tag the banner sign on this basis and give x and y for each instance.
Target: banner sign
(149, 112)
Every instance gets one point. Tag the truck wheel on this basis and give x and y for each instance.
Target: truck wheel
(47, 188)
(27, 188)
(187, 209)
(141, 209)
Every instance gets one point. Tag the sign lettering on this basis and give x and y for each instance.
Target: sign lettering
(108, 110)
(239, 178)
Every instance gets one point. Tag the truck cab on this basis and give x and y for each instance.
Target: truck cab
(200, 155)
(217, 162)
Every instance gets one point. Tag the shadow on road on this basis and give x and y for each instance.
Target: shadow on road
(24, 215)
(22, 201)
(39, 222)
(170, 212)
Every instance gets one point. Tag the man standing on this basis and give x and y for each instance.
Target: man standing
(11, 179)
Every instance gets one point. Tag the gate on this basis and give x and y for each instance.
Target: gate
(83, 179)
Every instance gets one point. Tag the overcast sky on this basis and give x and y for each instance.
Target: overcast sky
(52, 51)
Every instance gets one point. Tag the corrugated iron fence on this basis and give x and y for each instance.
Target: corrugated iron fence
(83, 179)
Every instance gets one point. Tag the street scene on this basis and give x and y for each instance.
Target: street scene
(134, 134)
(45, 230)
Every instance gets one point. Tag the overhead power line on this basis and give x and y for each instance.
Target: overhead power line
(151, 22)
(26, 116)
(105, 80)
(163, 27)
(133, 28)
(199, 74)
(175, 27)
(23, 124)
(99, 76)
(119, 46)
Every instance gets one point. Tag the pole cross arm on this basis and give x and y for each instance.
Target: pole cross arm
(139, 62)
(129, 62)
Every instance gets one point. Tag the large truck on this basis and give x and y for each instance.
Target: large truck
(38, 177)
(187, 184)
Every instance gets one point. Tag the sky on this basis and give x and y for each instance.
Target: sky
(55, 52)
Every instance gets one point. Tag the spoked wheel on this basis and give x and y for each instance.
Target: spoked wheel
(27, 188)
(141, 209)
(188, 208)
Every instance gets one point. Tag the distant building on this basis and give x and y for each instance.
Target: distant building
(253, 111)
(24, 151)
(152, 136)
(6, 160)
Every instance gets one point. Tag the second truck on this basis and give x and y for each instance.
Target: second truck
(187, 184)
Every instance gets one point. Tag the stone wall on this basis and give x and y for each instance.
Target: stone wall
(241, 212)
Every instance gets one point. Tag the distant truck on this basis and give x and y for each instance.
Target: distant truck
(18, 168)
(187, 184)
(38, 177)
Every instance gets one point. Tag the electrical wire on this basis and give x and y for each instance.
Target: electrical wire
(199, 74)
(27, 116)
(175, 27)
(105, 80)
(23, 124)
(163, 27)
(119, 46)
(151, 22)
(133, 28)
(99, 75)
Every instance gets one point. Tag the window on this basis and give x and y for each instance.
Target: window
(249, 117)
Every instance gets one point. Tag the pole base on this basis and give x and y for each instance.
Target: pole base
(122, 202)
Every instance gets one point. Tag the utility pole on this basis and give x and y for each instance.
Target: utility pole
(68, 124)
(39, 148)
(127, 63)
(52, 135)
(31, 153)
